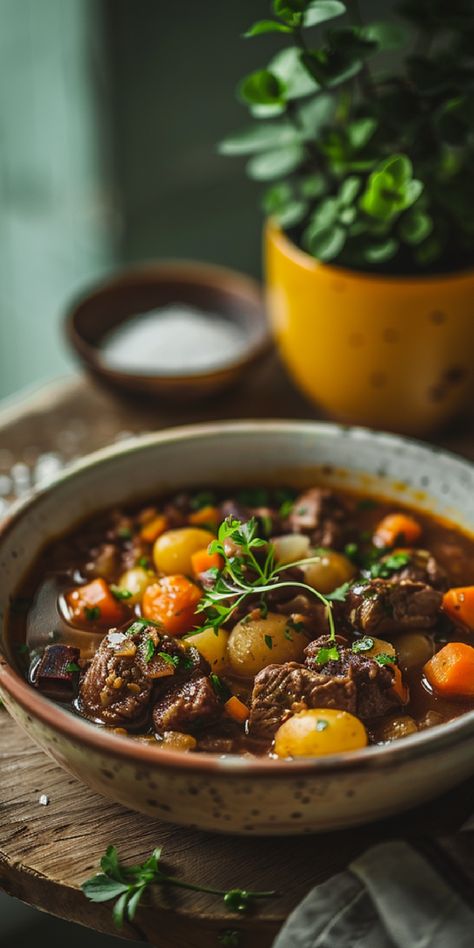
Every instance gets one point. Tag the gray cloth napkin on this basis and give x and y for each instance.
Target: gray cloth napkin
(396, 895)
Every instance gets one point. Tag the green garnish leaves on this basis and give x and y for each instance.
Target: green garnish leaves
(286, 509)
(219, 686)
(173, 660)
(144, 562)
(119, 593)
(251, 571)
(391, 564)
(326, 655)
(72, 668)
(287, 634)
(384, 659)
(351, 550)
(363, 645)
(339, 594)
(149, 650)
(92, 613)
(321, 724)
(124, 533)
(139, 624)
(268, 641)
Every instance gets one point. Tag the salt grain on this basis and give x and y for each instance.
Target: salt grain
(43, 800)
(175, 339)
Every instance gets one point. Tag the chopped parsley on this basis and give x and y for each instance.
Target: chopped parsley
(119, 593)
(288, 634)
(339, 594)
(144, 562)
(296, 624)
(219, 686)
(321, 724)
(92, 613)
(124, 533)
(72, 667)
(391, 564)
(384, 659)
(286, 508)
(139, 624)
(149, 650)
(352, 551)
(363, 645)
(170, 659)
(326, 655)
(268, 641)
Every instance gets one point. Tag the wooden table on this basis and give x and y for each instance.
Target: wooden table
(47, 851)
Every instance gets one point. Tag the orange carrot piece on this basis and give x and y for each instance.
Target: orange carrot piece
(208, 516)
(236, 709)
(458, 604)
(172, 601)
(397, 528)
(153, 529)
(451, 671)
(95, 603)
(202, 561)
(399, 685)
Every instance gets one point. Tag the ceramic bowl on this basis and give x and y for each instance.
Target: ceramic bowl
(232, 794)
(140, 289)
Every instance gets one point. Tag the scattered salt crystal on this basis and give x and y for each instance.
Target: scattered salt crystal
(174, 339)
(43, 800)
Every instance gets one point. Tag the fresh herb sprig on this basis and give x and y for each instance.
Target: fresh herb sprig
(246, 574)
(128, 884)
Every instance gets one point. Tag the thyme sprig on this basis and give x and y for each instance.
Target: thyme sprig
(127, 884)
(246, 574)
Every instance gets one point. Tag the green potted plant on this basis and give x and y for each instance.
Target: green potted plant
(370, 199)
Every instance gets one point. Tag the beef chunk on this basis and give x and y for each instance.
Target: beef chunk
(373, 682)
(53, 675)
(118, 684)
(354, 683)
(322, 515)
(280, 690)
(380, 606)
(422, 568)
(187, 706)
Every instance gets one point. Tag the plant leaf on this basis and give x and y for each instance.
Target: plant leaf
(102, 888)
(386, 34)
(257, 138)
(288, 67)
(349, 190)
(274, 164)
(360, 131)
(318, 11)
(315, 113)
(262, 87)
(415, 226)
(379, 253)
(327, 244)
(267, 26)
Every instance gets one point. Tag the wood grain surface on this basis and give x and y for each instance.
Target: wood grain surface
(47, 851)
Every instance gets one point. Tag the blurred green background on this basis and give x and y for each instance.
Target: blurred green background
(110, 111)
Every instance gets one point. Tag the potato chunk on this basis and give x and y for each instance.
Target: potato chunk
(256, 643)
(319, 731)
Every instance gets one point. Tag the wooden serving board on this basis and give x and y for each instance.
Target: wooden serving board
(46, 852)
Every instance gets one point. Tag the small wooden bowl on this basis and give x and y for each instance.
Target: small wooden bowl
(211, 289)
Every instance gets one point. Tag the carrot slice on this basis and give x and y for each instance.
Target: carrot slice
(202, 561)
(451, 671)
(397, 528)
(399, 685)
(172, 601)
(207, 516)
(153, 529)
(95, 603)
(236, 709)
(458, 604)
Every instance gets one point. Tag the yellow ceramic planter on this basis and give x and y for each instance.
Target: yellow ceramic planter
(388, 352)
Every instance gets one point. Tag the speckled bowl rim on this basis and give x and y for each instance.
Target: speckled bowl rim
(307, 262)
(416, 746)
(192, 272)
